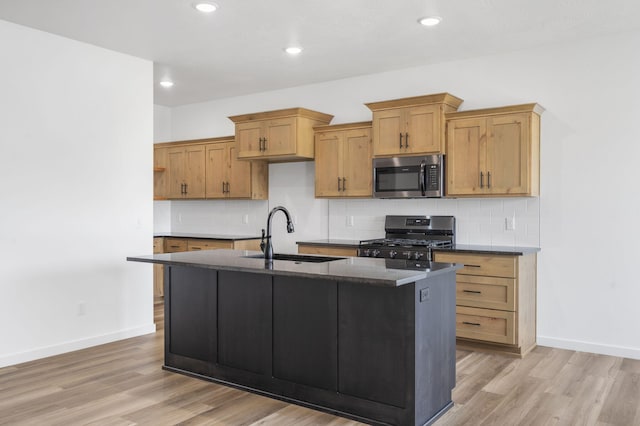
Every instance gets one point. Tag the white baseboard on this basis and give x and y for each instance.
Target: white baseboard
(576, 345)
(19, 358)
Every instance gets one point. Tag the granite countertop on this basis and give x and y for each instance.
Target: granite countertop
(206, 236)
(458, 248)
(353, 269)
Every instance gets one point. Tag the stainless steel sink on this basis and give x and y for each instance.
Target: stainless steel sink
(298, 257)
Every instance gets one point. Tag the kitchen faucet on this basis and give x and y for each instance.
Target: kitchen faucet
(265, 244)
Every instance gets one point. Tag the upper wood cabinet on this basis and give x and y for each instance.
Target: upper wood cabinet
(411, 126)
(278, 136)
(343, 160)
(207, 168)
(228, 177)
(494, 152)
(185, 171)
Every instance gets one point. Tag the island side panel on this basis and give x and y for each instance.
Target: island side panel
(435, 374)
(190, 298)
(305, 331)
(245, 321)
(376, 343)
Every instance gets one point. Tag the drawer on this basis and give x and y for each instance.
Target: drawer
(202, 244)
(481, 264)
(330, 251)
(486, 292)
(172, 245)
(158, 245)
(485, 324)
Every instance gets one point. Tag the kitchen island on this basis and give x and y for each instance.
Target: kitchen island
(348, 336)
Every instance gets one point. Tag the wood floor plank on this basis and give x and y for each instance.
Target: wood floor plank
(122, 384)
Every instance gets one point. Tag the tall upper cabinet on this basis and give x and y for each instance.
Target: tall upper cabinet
(494, 152)
(411, 126)
(278, 136)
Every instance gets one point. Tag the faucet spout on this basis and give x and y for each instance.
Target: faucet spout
(265, 245)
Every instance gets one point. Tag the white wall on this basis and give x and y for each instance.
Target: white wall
(587, 289)
(75, 142)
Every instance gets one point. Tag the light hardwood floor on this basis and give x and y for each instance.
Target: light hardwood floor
(122, 383)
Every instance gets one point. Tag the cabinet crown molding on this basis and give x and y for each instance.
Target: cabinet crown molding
(438, 98)
(220, 139)
(343, 126)
(533, 107)
(281, 113)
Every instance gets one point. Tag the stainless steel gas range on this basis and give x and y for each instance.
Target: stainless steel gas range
(411, 238)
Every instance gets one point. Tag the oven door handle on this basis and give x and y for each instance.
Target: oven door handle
(422, 177)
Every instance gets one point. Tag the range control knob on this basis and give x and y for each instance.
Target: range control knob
(366, 253)
(376, 253)
(392, 254)
(417, 255)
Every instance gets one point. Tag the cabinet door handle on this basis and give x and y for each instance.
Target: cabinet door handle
(339, 184)
(344, 183)
(481, 180)
(471, 266)
(488, 179)
(401, 140)
(185, 189)
(228, 190)
(472, 291)
(406, 140)
(264, 140)
(475, 324)
(223, 191)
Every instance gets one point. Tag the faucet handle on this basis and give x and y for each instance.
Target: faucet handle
(262, 243)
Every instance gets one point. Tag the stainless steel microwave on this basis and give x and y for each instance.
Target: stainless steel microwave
(409, 177)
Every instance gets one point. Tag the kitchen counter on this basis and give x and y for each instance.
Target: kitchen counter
(460, 248)
(352, 269)
(206, 236)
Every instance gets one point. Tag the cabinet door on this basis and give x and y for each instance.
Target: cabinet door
(216, 170)
(328, 145)
(194, 171)
(357, 167)
(248, 139)
(423, 133)
(466, 140)
(508, 156)
(175, 172)
(239, 174)
(280, 136)
(387, 126)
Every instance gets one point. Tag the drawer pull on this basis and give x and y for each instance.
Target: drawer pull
(196, 248)
(174, 246)
(472, 266)
(471, 323)
(472, 291)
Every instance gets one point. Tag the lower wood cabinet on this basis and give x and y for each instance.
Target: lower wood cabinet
(328, 250)
(495, 301)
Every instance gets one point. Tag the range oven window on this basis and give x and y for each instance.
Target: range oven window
(392, 179)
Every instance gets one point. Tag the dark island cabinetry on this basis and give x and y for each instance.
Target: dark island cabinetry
(382, 355)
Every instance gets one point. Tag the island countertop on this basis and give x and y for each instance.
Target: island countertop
(353, 269)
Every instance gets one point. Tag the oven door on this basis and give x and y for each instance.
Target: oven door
(407, 177)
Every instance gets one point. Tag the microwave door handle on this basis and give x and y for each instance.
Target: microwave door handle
(422, 176)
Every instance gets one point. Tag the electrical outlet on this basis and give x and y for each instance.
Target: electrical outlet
(350, 221)
(510, 223)
(425, 294)
(82, 309)
(179, 217)
(245, 219)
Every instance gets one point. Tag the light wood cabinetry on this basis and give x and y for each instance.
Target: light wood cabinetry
(185, 168)
(327, 250)
(207, 168)
(343, 160)
(495, 301)
(494, 152)
(278, 136)
(411, 126)
(228, 177)
(158, 270)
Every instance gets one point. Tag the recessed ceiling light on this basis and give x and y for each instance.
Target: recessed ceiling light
(166, 83)
(430, 21)
(205, 6)
(293, 50)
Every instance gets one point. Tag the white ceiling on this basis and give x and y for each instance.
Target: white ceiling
(238, 49)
